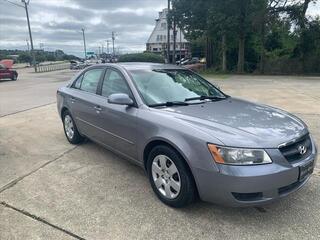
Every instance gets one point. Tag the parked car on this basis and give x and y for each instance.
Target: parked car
(76, 65)
(185, 61)
(180, 60)
(193, 60)
(190, 137)
(6, 71)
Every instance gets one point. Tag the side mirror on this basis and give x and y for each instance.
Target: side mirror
(120, 99)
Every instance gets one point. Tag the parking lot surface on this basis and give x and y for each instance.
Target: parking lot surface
(50, 189)
(30, 90)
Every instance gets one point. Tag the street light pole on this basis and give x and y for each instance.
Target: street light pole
(26, 3)
(113, 43)
(84, 44)
(108, 46)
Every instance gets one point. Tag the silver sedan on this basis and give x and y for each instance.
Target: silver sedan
(192, 139)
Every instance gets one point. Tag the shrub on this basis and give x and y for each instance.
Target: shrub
(141, 57)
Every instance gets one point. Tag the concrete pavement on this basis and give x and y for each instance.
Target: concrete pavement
(50, 189)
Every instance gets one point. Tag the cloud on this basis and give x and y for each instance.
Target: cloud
(57, 23)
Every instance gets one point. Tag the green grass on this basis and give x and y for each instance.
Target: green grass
(212, 73)
(218, 76)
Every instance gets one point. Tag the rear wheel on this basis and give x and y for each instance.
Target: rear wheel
(70, 129)
(170, 178)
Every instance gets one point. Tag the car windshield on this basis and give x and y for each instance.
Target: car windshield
(174, 86)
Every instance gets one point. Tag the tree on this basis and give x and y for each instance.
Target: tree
(215, 20)
(220, 24)
(191, 16)
(247, 35)
(25, 57)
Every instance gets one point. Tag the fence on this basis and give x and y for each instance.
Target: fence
(52, 67)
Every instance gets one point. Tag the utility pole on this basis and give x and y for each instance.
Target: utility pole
(168, 34)
(174, 42)
(180, 47)
(26, 3)
(84, 44)
(113, 43)
(108, 41)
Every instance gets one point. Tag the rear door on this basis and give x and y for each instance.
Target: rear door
(83, 101)
(118, 122)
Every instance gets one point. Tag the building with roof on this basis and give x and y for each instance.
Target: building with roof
(157, 42)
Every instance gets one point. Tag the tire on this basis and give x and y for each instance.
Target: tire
(14, 77)
(70, 129)
(166, 186)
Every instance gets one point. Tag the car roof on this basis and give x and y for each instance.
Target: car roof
(142, 65)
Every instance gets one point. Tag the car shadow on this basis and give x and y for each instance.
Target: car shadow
(293, 206)
(6, 80)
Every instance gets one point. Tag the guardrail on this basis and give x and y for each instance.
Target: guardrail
(52, 67)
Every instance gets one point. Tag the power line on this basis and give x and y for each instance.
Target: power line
(16, 4)
(25, 6)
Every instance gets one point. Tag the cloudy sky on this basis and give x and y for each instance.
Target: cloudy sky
(57, 23)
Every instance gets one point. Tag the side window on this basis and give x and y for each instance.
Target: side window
(114, 82)
(77, 83)
(90, 80)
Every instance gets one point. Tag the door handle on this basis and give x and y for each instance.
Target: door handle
(98, 109)
(73, 99)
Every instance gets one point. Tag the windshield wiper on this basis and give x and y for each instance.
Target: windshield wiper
(169, 104)
(204, 98)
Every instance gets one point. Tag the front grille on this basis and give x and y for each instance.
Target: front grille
(292, 151)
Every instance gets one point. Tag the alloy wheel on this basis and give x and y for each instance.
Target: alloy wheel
(166, 176)
(68, 126)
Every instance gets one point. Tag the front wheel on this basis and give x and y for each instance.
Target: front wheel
(70, 129)
(14, 77)
(170, 178)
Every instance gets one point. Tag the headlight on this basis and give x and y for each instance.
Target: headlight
(238, 156)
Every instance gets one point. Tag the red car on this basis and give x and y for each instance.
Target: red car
(6, 70)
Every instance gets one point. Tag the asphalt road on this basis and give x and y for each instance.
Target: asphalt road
(50, 189)
(30, 90)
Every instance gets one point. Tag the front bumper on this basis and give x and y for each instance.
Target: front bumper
(240, 186)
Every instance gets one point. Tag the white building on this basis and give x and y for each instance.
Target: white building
(157, 42)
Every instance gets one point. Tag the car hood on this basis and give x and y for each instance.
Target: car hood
(239, 123)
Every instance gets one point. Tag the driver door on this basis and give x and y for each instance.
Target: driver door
(118, 122)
